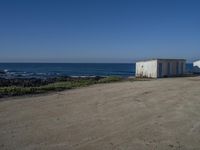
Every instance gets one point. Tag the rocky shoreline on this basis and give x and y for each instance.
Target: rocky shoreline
(25, 86)
(35, 82)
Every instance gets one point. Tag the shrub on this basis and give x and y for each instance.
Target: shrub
(110, 79)
(56, 86)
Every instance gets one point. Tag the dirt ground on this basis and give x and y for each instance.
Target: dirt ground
(160, 114)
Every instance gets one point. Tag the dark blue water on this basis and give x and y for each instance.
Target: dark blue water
(68, 69)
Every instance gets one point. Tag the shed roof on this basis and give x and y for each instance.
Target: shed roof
(162, 59)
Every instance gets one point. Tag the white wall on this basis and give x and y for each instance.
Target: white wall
(146, 69)
(196, 67)
(196, 63)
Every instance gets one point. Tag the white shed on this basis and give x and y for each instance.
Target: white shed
(196, 66)
(158, 68)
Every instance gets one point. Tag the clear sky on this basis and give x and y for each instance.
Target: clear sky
(98, 30)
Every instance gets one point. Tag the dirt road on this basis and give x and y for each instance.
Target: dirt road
(161, 114)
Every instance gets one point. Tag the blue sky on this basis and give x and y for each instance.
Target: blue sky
(98, 30)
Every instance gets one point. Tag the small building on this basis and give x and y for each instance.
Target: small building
(158, 68)
(196, 66)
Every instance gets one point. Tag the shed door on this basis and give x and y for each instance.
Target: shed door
(182, 68)
(177, 68)
(168, 69)
(160, 69)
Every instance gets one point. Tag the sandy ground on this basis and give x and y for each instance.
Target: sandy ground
(144, 115)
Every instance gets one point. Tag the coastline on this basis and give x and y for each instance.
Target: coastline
(29, 86)
(12, 87)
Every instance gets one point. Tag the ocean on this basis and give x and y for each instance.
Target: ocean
(41, 70)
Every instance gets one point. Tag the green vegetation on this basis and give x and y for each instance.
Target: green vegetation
(56, 86)
(110, 79)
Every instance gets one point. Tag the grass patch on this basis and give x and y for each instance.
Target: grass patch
(56, 86)
(110, 79)
(60, 85)
(14, 91)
